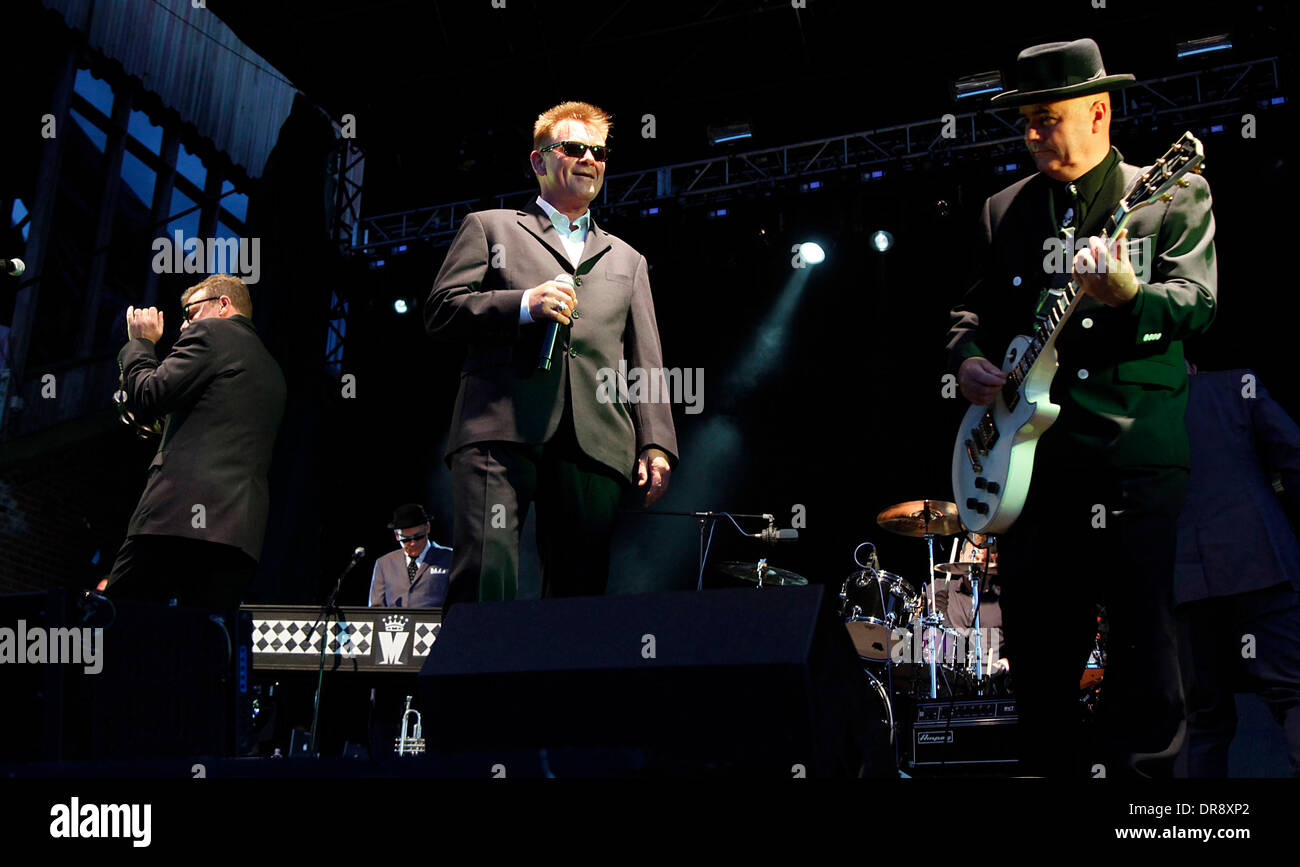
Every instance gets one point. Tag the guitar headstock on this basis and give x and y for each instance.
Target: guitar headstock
(1158, 183)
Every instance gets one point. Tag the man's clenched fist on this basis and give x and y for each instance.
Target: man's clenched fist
(146, 322)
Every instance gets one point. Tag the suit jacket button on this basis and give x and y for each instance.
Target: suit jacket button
(577, 281)
(1086, 323)
(573, 353)
(1015, 281)
(1083, 373)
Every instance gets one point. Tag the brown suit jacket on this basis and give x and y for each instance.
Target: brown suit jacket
(496, 256)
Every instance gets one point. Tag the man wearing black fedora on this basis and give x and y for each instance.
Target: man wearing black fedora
(1110, 475)
(416, 575)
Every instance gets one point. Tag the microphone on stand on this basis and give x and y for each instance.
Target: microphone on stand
(552, 331)
(771, 535)
(13, 267)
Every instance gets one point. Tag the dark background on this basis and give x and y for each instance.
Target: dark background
(832, 402)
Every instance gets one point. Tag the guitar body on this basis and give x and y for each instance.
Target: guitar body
(992, 468)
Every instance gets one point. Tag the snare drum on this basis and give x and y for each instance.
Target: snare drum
(873, 604)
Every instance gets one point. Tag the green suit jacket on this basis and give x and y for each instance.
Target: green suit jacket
(1122, 384)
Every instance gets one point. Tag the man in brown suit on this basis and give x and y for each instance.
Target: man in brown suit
(559, 436)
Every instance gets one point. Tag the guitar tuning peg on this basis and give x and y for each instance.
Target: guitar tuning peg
(1183, 182)
(1166, 197)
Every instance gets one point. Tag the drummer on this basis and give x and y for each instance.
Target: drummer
(955, 599)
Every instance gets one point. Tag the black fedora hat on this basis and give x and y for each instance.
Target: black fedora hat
(408, 515)
(1060, 70)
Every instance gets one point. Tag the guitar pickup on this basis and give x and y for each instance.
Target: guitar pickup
(974, 457)
(987, 433)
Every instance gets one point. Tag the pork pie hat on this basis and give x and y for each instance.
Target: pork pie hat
(408, 515)
(1055, 71)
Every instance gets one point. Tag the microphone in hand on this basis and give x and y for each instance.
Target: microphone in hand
(552, 331)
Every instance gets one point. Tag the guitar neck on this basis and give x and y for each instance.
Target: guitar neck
(1063, 302)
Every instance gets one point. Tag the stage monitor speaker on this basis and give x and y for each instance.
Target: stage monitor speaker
(756, 681)
(106, 679)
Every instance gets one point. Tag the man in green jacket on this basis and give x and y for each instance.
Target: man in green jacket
(1111, 473)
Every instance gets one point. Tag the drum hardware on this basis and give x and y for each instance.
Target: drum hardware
(708, 523)
(963, 569)
(924, 519)
(762, 574)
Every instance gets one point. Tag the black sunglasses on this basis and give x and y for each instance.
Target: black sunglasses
(576, 149)
(418, 537)
(185, 308)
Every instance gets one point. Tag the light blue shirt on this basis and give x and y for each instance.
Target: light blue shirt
(571, 240)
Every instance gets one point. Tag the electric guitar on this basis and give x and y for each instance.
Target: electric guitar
(993, 459)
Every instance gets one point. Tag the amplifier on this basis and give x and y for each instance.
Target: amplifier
(967, 732)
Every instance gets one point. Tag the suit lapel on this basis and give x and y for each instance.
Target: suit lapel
(596, 246)
(533, 220)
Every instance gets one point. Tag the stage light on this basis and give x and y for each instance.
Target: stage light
(1222, 42)
(979, 84)
(729, 132)
(399, 306)
(812, 253)
(882, 241)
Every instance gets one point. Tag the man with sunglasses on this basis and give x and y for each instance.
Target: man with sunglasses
(533, 427)
(416, 575)
(196, 534)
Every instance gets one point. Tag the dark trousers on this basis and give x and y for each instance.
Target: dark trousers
(494, 483)
(196, 573)
(1220, 660)
(1087, 538)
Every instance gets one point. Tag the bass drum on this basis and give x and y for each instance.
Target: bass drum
(877, 607)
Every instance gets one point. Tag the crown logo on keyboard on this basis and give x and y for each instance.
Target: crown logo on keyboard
(395, 623)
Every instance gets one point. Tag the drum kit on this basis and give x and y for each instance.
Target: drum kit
(909, 648)
(898, 627)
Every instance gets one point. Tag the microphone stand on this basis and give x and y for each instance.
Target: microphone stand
(329, 607)
(708, 521)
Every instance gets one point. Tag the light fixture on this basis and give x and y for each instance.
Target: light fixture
(882, 241)
(979, 84)
(1222, 42)
(399, 306)
(812, 253)
(729, 132)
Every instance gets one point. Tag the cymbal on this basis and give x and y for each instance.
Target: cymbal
(772, 576)
(921, 518)
(964, 568)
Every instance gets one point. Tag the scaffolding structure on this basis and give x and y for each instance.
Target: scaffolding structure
(1202, 96)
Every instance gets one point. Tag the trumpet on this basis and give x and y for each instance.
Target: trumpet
(410, 742)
